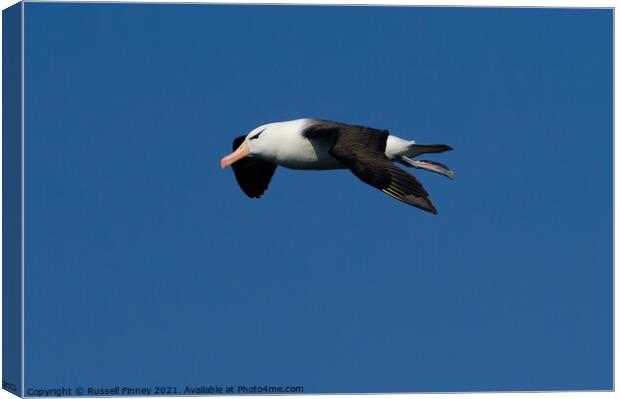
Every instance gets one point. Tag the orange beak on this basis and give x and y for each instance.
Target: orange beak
(241, 152)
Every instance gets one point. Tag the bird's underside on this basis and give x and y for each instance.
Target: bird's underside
(358, 148)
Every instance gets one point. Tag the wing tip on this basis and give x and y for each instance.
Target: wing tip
(431, 210)
(423, 203)
(253, 194)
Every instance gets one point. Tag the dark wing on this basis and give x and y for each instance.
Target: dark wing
(362, 150)
(253, 174)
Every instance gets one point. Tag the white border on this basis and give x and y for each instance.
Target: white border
(23, 108)
(475, 3)
(434, 3)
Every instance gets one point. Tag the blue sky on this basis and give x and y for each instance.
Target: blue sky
(147, 265)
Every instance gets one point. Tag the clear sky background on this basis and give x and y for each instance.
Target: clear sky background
(147, 265)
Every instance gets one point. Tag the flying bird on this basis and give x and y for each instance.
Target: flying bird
(315, 144)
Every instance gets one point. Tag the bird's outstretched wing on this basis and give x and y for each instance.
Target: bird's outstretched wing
(252, 174)
(362, 150)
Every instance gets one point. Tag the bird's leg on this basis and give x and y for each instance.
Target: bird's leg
(429, 165)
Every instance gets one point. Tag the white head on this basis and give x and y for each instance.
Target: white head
(261, 142)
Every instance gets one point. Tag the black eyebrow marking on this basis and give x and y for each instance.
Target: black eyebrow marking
(256, 135)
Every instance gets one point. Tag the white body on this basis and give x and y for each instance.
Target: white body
(284, 144)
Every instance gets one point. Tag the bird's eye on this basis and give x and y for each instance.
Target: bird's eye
(256, 135)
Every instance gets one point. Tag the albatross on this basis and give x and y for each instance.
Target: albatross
(315, 144)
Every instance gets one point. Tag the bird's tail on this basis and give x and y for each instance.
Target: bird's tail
(418, 149)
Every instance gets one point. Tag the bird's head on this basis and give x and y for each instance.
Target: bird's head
(260, 142)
